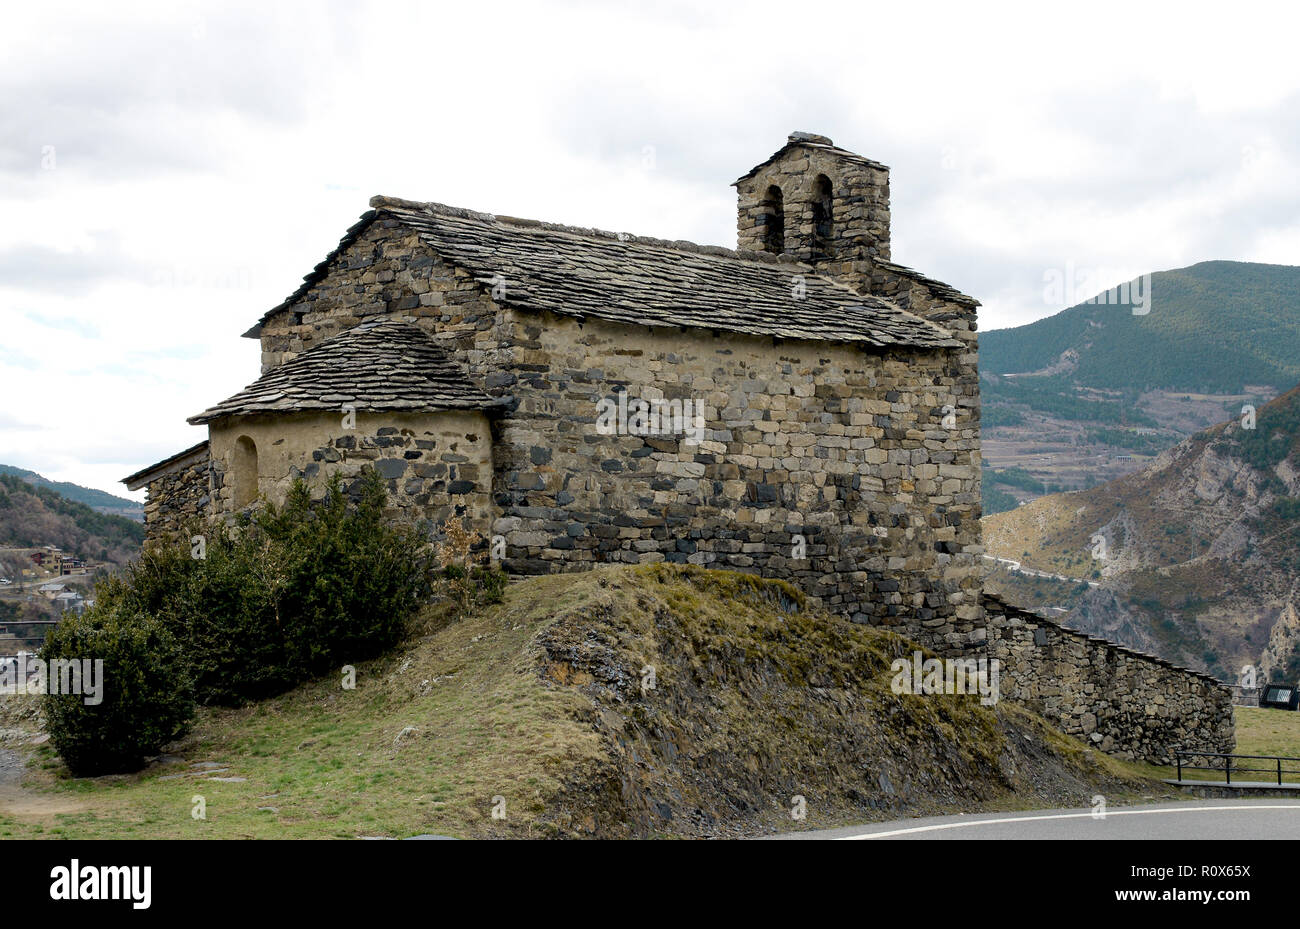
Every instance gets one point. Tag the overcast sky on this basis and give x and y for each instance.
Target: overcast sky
(169, 172)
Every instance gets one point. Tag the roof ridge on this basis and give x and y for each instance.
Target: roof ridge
(609, 275)
(382, 202)
(398, 205)
(411, 211)
(808, 140)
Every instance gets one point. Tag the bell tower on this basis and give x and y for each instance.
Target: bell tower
(815, 202)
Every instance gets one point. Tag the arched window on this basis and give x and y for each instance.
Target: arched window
(823, 206)
(243, 472)
(771, 218)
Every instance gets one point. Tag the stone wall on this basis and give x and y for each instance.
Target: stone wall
(860, 234)
(178, 497)
(435, 466)
(386, 271)
(847, 449)
(1121, 701)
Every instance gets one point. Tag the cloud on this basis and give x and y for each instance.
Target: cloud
(141, 90)
(169, 173)
(17, 423)
(33, 267)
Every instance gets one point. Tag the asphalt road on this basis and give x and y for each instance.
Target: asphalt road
(1203, 819)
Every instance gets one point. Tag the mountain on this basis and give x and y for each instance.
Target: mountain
(1195, 557)
(32, 515)
(95, 499)
(1214, 327)
(1097, 390)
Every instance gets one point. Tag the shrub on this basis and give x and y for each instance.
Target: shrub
(284, 595)
(146, 698)
(218, 608)
(464, 577)
(287, 593)
(343, 580)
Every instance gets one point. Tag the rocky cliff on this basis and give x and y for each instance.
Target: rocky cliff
(1194, 557)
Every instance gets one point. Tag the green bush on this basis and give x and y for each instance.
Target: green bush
(474, 585)
(146, 698)
(284, 595)
(287, 594)
(219, 608)
(344, 579)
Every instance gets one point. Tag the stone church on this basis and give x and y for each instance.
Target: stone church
(465, 357)
(801, 407)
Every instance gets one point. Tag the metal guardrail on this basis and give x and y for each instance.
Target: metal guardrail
(1227, 768)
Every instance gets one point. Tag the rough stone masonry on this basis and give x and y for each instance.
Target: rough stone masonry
(834, 396)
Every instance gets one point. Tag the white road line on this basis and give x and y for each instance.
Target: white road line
(1026, 819)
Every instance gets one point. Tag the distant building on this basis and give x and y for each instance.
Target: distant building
(47, 557)
(70, 600)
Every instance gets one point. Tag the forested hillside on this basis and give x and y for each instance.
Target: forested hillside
(31, 515)
(1214, 327)
(95, 499)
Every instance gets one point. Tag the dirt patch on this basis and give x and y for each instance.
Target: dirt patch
(24, 802)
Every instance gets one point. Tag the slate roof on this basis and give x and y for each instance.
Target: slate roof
(380, 365)
(938, 288)
(646, 282)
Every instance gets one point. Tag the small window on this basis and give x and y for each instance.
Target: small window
(243, 472)
(823, 207)
(771, 221)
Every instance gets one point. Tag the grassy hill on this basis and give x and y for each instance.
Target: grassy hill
(1196, 555)
(649, 701)
(95, 499)
(33, 515)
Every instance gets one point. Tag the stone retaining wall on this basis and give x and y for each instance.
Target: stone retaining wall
(1121, 701)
